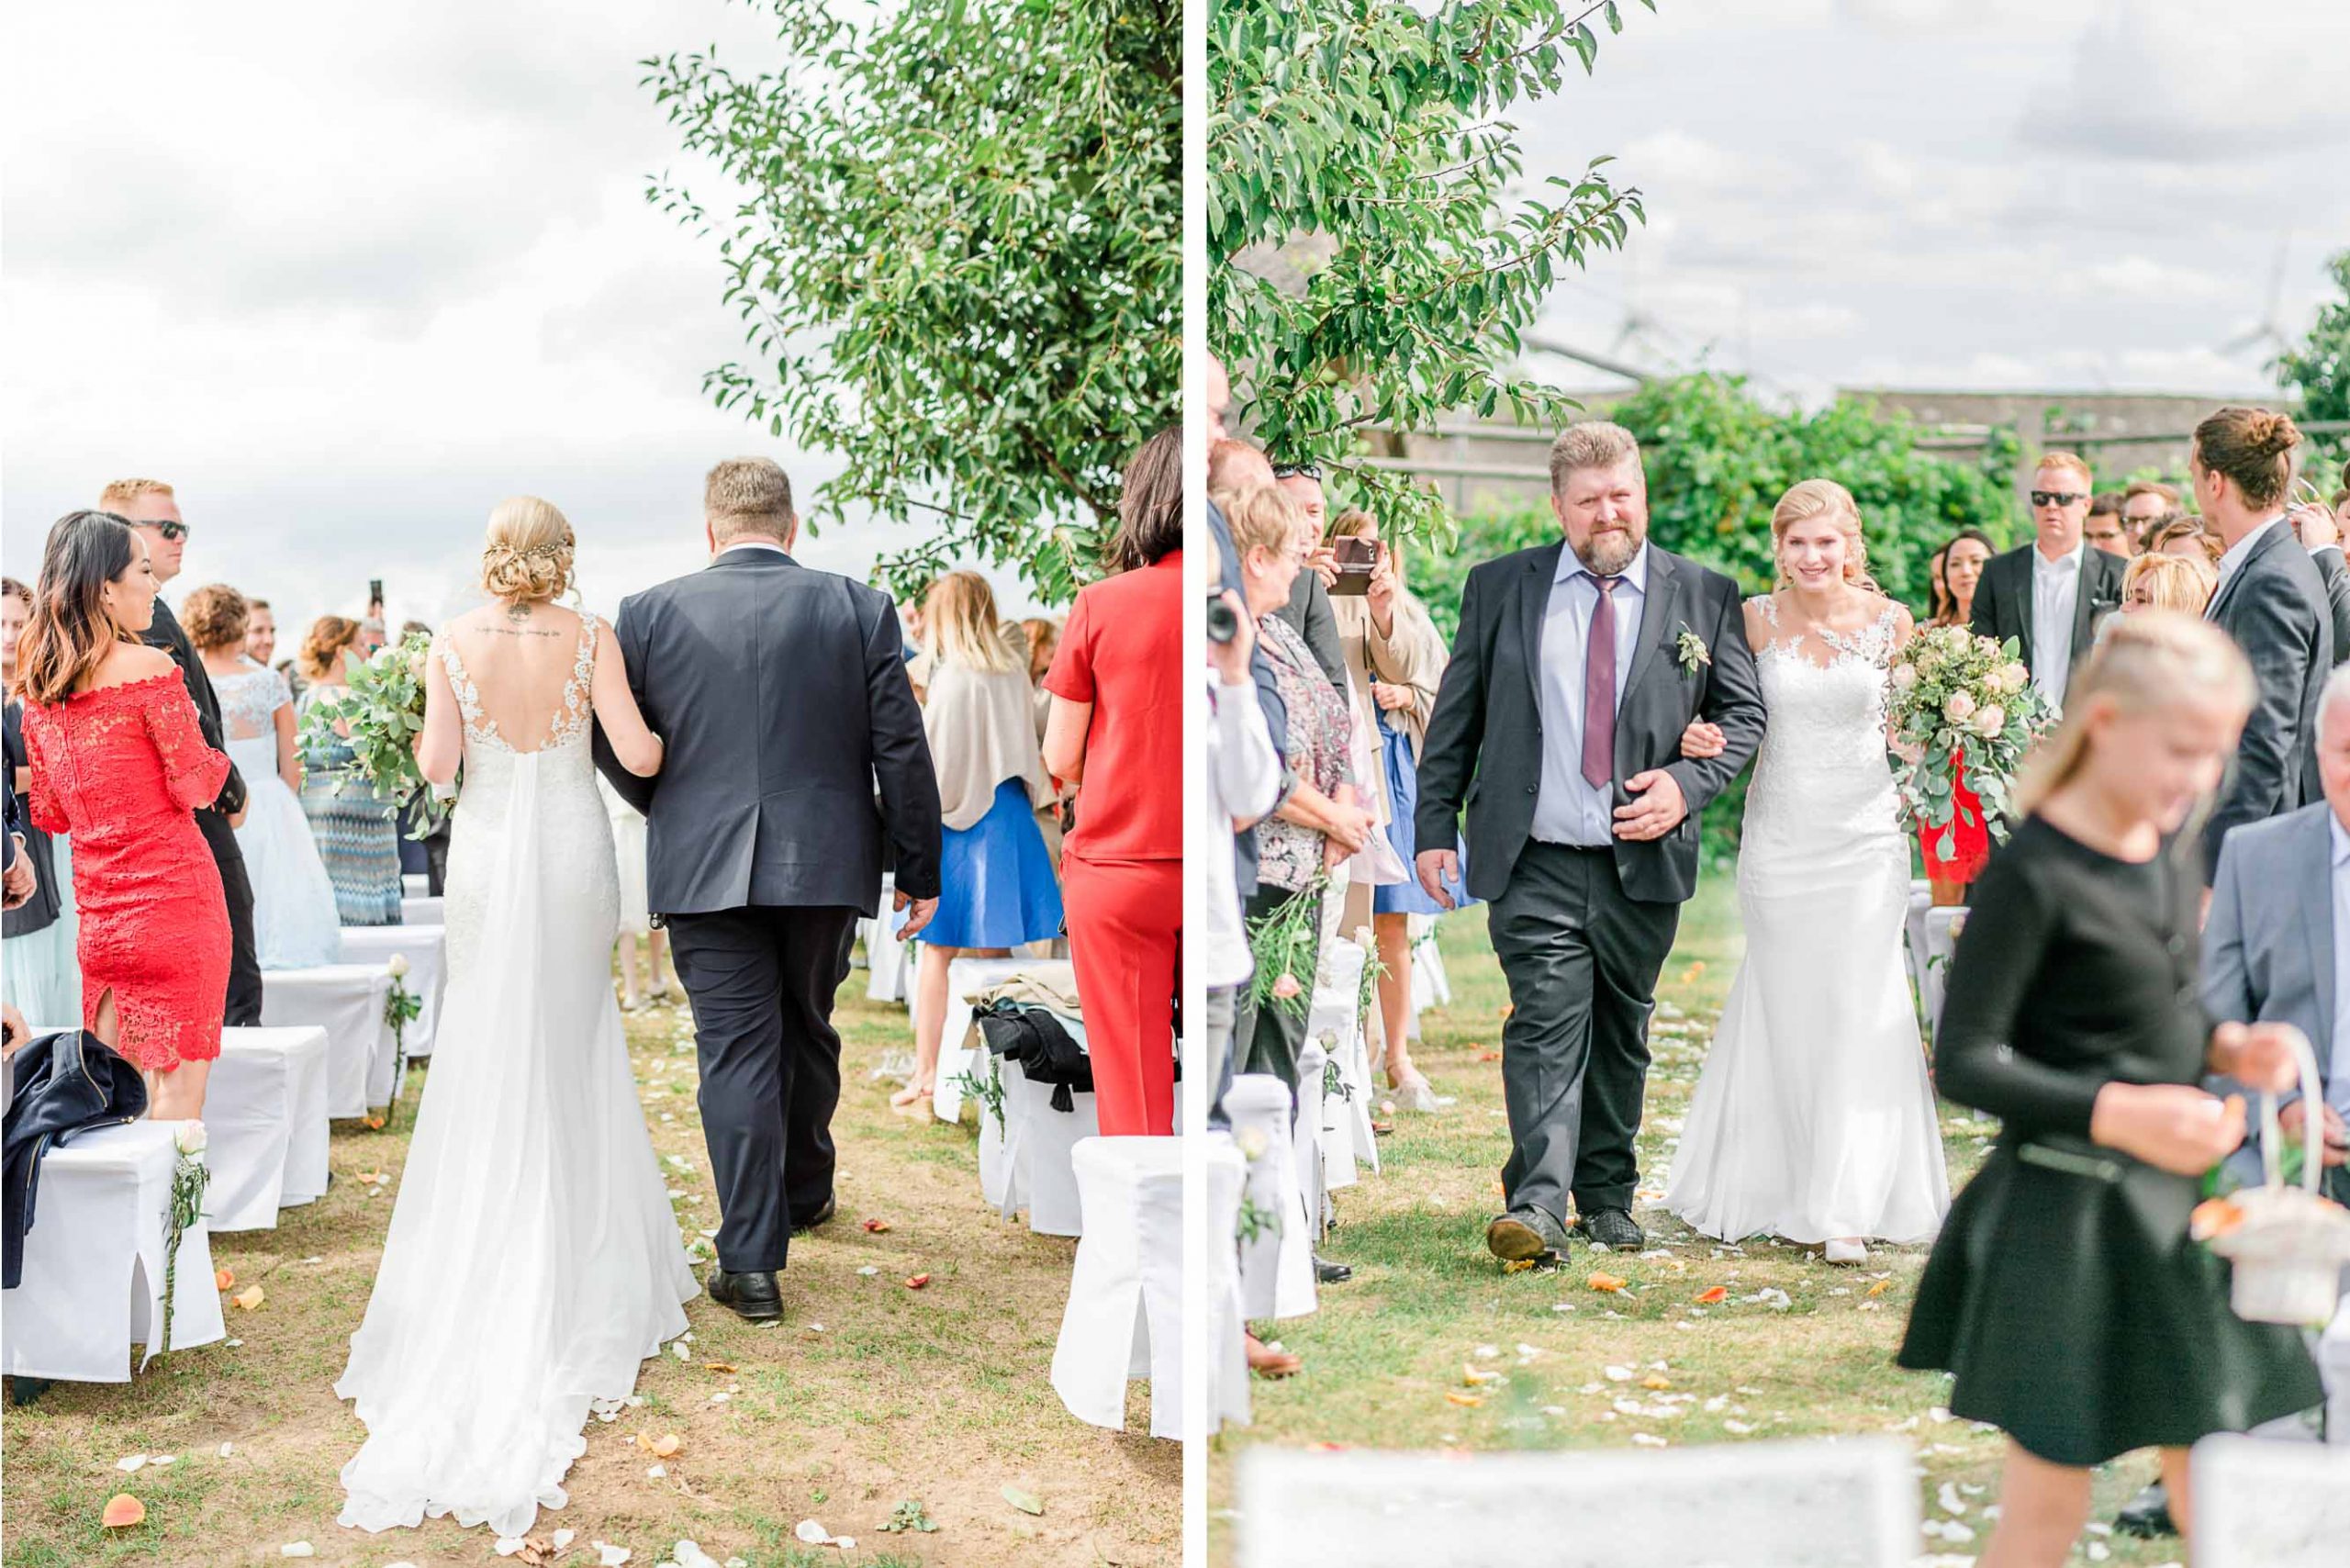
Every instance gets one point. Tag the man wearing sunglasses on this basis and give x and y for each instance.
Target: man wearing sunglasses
(148, 506)
(2049, 595)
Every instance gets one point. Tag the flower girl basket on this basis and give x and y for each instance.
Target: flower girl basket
(2291, 1244)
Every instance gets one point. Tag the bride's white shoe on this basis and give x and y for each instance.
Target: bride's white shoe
(1846, 1250)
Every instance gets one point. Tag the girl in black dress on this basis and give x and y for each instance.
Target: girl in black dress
(2063, 1293)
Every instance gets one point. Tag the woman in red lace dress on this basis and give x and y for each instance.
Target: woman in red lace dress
(117, 761)
(1969, 833)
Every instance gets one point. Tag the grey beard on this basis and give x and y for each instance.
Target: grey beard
(1609, 555)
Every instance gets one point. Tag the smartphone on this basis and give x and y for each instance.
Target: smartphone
(374, 593)
(1356, 557)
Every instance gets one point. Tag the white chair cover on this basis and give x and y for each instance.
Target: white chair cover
(1913, 930)
(2333, 1365)
(416, 885)
(426, 950)
(960, 1049)
(421, 912)
(1336, 1020)
(1847, 1502)
(93, 1282)
(1124, 1317)
(2264, 1504)
(1037, 1144)
(884, 955)
(265, 1119)
(1227, 1369)
(347, 1002)
(1276, 1269)
(1307, 1136)
(1940, 944)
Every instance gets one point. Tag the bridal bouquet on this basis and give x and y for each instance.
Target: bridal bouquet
(384, 709)
(1963, 709)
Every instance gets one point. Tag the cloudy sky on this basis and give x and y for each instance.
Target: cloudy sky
(2059, 194)
(347, 275)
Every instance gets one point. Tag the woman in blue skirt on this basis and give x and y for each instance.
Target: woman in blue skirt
(1401, 656)
(997, 888)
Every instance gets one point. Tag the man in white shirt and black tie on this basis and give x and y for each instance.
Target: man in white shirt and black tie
(2049, 595)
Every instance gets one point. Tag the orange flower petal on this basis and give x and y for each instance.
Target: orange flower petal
(223, 1278)
(1719, 1293)
(1606, 1282)
(1489, 1056)
(2213, 1216)
(1471, 1400)
(123, 1510)
(718, 1366)
(875, 1227)
(248, 1299)
(1880, 1287)
(916, 1281)
(1653, 1381)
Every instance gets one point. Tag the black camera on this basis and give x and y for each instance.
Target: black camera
(1224, 621)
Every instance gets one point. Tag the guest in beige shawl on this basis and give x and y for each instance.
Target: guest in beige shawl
(997, 887)
(1394, 659)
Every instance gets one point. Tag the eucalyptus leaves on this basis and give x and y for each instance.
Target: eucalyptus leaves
(384, 709)
(1285, 942)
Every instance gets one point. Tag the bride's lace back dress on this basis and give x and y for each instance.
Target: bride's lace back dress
(1814, 1118)
(533, 1260)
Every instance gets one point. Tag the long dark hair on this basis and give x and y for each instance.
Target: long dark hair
(1945, 601)
(1150, 504)
(70, 632)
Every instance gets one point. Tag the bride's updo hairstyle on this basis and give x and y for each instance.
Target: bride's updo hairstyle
(2155, 658)
(2254, 447)
(527, 554)
(1812, 498)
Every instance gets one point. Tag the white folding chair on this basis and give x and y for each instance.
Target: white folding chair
(1307, 1136)
(1227, 1368)
(1037, 1145)
(960, 1049)
(265, 1122)
(2264, 1504)
(426, 949)
(1941, 943)
(1277, 1263)
(884, 955)
(347, 1002)
(1838, 1503)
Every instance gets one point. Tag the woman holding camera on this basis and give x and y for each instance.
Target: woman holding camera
(1116, 732)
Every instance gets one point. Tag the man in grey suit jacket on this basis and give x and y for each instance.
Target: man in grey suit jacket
(2271, 599)
(1558, 725)
(780, 693)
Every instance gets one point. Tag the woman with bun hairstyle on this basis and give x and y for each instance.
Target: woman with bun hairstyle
(2271, 599)
(295, 920)
(357, 831)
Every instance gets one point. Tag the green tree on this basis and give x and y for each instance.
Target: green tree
(956, 255)
(1359, 146)
(2320, 368)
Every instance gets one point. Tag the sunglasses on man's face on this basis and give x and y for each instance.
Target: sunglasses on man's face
(2057, 497)
(169, 530)
(1298, 471)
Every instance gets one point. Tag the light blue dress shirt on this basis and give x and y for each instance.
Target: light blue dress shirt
(1568, 809)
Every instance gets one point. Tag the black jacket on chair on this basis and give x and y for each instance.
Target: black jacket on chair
(66, 1084)
(2003, 599)
(1487, 722)
(2274, 605)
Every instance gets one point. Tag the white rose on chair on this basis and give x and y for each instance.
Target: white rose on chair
(397, 966)
(191, 1137)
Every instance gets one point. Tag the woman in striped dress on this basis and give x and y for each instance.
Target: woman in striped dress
(357, 829)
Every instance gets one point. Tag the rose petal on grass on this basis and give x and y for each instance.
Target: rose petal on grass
(875, 1227)
(1516, 1265)
(719, 1367)
(916, 1281)
(122, 1511)
(1471, 1400)
(1605, 1283)
(223, 1278)
(250, 1299)
(1489, 1056)
(1880, 1287)
(1711, 1298)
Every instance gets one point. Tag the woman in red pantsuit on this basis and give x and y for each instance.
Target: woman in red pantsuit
(117, 761)
(1116, 731)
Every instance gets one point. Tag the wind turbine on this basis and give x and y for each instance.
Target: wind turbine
(2267, 332)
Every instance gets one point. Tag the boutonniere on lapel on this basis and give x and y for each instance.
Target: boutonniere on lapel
(1690, 649)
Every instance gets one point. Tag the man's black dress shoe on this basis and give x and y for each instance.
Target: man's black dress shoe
(1525, 1234)
(753, 1295)
(2147, 1515)
(1326, 1273)
(821, 1216)
(1612, 1228)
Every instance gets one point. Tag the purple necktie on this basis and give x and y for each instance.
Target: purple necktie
(1599, 689)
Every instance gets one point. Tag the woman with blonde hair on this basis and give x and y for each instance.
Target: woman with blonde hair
(997, 889)
(2185, 536)
(2065, 1293)
(295, 919)
(356, 830)
(2168, 582)
(1814, 1118)
(533, 1261)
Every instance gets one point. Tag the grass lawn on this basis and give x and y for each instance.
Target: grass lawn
(869, 1393)
(1389, 1354)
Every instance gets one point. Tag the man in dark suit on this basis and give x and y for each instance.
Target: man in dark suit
(2271, 599)
(1558, 723)
(148, 506)
(2049, 595)
(782, 695)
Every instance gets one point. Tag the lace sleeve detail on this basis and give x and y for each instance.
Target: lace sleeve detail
(478, 730)
(47, 813)
(572, 722)
(282, 689)
(1769, 605)
(192, 772)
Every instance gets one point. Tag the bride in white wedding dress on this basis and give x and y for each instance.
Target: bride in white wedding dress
(533, 1260)
(1814, 1117)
